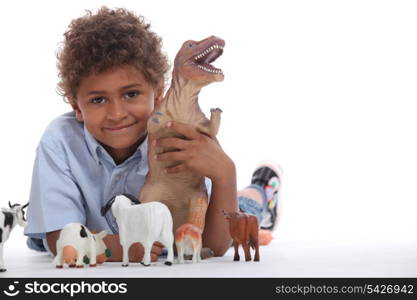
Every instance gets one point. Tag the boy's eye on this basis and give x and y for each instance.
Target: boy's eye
(97, 100)
(131, 94)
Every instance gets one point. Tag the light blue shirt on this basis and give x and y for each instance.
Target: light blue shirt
(74, 176)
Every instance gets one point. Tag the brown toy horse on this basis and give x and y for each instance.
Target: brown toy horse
(244, 231)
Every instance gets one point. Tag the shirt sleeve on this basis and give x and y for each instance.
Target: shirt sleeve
(55, 198)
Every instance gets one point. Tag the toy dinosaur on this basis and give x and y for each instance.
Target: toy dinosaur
(184, 193)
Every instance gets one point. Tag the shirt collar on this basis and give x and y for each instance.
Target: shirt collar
(93, 145)
(142, 167)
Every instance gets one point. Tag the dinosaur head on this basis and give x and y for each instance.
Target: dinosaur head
(193, 61)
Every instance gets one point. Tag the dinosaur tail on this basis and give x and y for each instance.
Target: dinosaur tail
(69, 255)
(197, 210)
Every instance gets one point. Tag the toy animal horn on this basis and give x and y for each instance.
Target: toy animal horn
(26, 205)
(132, 198)
(13, 205)
(106, 207)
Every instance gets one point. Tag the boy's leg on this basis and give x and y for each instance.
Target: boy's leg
(251, 200)
(36, 244)
(260, 198)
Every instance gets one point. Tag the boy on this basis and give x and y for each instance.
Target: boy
(112, 73)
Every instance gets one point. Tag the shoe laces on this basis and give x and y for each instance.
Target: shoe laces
(271, 191)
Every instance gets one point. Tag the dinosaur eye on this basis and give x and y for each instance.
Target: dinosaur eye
(190, 45)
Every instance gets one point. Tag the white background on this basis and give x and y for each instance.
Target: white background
(325, 88)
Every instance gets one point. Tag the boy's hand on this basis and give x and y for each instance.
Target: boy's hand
(112, 241)
(136, 252)
(197, 153)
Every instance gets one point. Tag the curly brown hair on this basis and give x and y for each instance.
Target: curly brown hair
(110, 38)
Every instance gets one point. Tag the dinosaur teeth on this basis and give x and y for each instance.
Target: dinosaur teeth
(207, 51)
(204, 63)
(216, 71)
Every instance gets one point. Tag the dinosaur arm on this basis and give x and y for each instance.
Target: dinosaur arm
(210, 127)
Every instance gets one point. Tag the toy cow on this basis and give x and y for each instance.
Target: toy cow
(76, 245)
(9, 218)
(144, 223)
(188, 242)
(244, 230)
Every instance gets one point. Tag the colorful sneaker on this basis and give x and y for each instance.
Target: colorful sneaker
(269, 175)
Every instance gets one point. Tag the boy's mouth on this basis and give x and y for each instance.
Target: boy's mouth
(119, 128)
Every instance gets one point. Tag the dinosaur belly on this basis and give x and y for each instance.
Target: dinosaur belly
(187, 204)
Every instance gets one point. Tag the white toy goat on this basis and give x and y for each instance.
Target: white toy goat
(144, 223)
(76, 245)
(9, 218)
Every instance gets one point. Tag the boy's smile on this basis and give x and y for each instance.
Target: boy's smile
(115, 106)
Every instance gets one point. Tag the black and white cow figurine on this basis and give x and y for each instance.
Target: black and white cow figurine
(9, 218)
(76, 243)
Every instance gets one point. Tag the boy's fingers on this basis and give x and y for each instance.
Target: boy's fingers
(176, 169)
(157, 248)
(171, 156)
(171, 142)
(186, 130)
(156, 251)
(158, 244)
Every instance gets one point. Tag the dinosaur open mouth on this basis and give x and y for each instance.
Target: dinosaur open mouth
(205, 58)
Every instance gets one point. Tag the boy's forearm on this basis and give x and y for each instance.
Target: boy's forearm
(112, 241)
(216, 234)
(51, 238)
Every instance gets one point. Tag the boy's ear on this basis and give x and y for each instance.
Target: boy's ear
(76, 109)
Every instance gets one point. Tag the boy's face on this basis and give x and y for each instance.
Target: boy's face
(115, 106)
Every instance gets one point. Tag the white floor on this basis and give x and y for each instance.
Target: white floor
(280, 259)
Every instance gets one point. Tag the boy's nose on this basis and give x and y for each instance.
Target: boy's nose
(116, 110)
